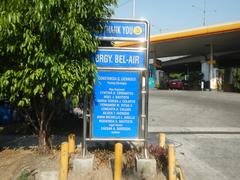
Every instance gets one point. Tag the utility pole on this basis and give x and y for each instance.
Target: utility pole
(204, 13)
(133, 9)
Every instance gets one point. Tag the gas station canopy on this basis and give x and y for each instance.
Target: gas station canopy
(225, 39)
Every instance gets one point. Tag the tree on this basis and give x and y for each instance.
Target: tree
(45, 49)
(236, 78)
(195, 78)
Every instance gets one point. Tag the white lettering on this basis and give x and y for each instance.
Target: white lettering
(120, 59)
(103, 58)
(127, 30)
(133, 60)
(112, 29)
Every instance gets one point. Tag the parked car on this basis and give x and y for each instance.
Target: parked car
(175, 84)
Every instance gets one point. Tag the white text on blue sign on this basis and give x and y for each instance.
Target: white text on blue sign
(123, 30)
(116, 105)
(117, 58)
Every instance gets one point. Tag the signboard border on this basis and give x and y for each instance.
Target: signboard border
(146, 36)
(124, 50)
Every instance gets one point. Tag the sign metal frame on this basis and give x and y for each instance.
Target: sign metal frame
(143, 91)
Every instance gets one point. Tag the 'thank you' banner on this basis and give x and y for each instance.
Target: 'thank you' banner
(115, 112)
(123, 30)
(126, 58)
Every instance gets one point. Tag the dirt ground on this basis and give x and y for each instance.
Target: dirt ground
(15, 162)
(19, 159)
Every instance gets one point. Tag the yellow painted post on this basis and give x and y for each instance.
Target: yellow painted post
(179, 171)
(171, 162)
(71, 143)
(118, 161)
(162, 140)
(64, 161)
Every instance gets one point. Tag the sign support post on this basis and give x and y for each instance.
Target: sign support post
(146, 97)
(85, 119)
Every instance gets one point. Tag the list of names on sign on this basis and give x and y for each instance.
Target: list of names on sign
(116, 104)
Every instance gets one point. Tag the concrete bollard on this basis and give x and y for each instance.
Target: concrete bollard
(171, 162)
(64, 161)
(82, 166)
(146, 168)
(118, 161)
(162, 140)
(202, 85)
(71, 143)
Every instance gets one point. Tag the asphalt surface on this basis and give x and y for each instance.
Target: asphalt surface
(204, 126)
(194, 110)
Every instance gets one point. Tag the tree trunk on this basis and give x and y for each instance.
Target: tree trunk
(44, 139)
(42, 142)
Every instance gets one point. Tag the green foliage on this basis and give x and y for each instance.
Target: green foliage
(45, 48)
(25, 174)
(45, 55)
(195, 78)
(179, 76)
(236, 78)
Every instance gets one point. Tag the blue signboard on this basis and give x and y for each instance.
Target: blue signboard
(119, 58)
(115, 112)
(123, 30)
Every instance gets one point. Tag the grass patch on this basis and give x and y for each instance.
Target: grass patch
(25, 174)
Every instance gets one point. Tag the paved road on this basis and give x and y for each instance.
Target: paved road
(206, 128)
(194, 110)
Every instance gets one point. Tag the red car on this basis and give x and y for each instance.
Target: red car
(175, 84)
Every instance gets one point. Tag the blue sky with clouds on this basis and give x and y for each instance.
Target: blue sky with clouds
(174, 15)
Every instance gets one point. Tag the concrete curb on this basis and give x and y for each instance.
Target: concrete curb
(195, 130)
(50, 175)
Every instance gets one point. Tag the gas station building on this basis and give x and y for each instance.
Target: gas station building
(212, 50)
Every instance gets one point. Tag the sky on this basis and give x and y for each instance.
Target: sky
(175, 15)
